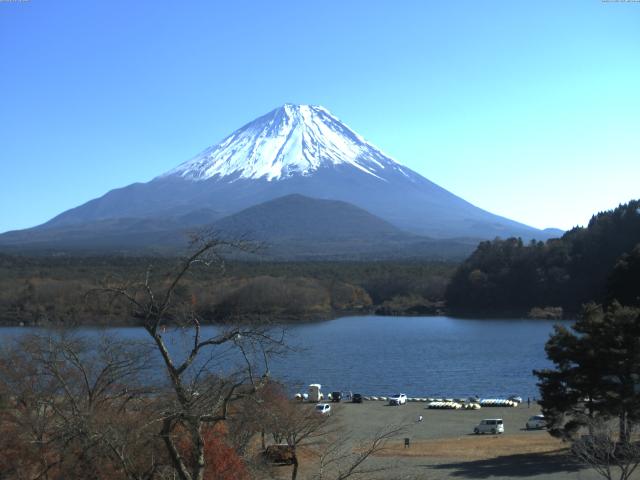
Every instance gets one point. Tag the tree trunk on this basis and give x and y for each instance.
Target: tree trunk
(198, 445)
(294, 472)
(624, 437)
(174, 454)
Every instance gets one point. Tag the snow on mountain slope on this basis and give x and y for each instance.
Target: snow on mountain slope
(294, 149)
(288, 141)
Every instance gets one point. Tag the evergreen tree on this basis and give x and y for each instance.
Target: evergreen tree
(624, 282)
(596, 374)
(597, 263)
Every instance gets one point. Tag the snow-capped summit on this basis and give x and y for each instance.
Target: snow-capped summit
(288, 141)
(292, 152)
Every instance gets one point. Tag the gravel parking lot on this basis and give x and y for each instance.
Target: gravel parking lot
(443, 445)
(366, 418)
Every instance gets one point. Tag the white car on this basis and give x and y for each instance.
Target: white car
(323, 408)
(536, 422)
(489, 425)
(398, 399)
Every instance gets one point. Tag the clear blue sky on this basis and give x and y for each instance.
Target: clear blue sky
(530, 110)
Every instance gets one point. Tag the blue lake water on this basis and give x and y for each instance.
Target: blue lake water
(419, 356)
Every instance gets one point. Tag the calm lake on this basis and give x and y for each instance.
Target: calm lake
(419, 356)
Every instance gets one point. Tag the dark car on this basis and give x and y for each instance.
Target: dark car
(336, 396)
(356, 398)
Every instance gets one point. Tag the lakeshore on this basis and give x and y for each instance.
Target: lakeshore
(438, 357)
(443, 444)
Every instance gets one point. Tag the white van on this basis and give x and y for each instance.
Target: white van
(490, 425)
(315, 392)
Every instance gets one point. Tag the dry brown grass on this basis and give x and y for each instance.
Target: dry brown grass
(475, 447)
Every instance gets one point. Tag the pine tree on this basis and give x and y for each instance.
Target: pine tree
(596, 374)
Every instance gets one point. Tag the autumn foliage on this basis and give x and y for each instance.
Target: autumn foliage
(221, 460)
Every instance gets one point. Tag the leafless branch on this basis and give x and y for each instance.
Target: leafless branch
(602, 451)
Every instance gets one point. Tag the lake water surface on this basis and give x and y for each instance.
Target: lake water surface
(419, 356)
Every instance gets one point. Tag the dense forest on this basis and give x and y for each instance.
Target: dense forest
(598, 263)
(56, 290)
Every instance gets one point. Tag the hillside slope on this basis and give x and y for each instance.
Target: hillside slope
(597, 263)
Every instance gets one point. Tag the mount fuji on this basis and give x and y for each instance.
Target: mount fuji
(291, 151)
(294, 140)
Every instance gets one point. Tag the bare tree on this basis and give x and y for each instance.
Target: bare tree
(339, 457)
(295, 425)
(604, 452)
(217, 369)
(342, 460)
(74, 408)
(255, 416)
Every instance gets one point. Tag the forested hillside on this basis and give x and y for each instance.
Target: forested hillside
(598, 263)
(52, 290)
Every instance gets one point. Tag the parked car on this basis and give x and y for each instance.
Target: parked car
(356, 398)
(323, 408)
(489, 425)
(516, 398)
(336, 396)
(280, 454)
(398, 399)
(536, 422)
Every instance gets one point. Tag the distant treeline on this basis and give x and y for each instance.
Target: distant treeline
(598, 263)
(43, 290)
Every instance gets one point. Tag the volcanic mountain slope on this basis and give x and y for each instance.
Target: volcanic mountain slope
(294, 149)
(295, 226)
